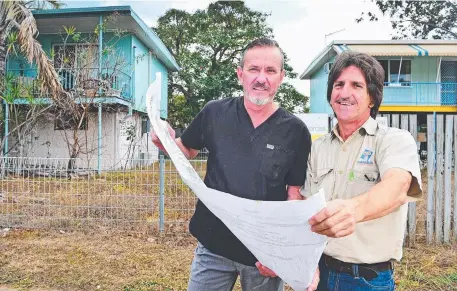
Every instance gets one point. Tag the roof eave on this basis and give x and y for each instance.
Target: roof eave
(153, 41)
(85, 10)
(314, 65)
(163, 53)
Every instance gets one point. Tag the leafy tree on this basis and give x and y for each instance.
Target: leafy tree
(418, 19)
(208, 45)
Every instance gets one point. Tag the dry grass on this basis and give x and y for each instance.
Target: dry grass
(94, 259)
(109, 261)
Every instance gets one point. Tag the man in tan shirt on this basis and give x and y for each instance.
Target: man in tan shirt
(368, 173)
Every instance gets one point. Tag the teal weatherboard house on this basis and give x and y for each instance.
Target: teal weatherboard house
(108, 60)
(420, 75)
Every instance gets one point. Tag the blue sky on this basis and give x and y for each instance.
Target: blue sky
(300, 27)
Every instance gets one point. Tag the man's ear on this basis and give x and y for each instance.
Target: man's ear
(239, 73)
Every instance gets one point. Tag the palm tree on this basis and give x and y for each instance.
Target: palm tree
(16, 16)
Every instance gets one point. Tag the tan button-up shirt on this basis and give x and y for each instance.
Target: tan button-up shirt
(345, 169)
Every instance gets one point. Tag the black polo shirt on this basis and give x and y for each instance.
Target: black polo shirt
(254, 163)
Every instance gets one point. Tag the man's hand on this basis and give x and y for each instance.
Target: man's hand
(269, 273)
(264, 270)
(155, 139)
(315, 281)
(335, 220)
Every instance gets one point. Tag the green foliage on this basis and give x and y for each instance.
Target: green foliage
(418, 19)
(207, 45)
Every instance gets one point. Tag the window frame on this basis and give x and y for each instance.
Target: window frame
(389, 82)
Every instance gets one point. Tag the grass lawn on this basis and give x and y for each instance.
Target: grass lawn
(56, 260)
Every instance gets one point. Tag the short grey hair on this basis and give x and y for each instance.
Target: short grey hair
(262, 42)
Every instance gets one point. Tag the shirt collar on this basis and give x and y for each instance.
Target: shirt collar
(369, 127)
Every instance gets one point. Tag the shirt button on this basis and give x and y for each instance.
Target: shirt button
(340, 172)
(344, 149)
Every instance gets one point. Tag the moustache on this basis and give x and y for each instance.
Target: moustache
(260, 86)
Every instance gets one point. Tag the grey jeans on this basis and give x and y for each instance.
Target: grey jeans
(210, 272)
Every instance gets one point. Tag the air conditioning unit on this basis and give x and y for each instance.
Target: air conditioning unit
(328, 67)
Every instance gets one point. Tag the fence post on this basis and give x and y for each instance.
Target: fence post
(412, 213)
(439, 178)
(447, 177)
(455, 178)
(403, 123)
(430, 176)
(162, 193)
(395, 119)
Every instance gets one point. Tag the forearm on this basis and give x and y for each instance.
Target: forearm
(293, 193)
(188, 152)
(384, 198)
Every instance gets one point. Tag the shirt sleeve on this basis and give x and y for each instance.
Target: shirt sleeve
(398, 149)
(305, 190)
(193, 136)
(297, 173)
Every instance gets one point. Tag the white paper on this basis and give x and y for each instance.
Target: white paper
(277, 233)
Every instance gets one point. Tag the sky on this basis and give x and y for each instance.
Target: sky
(302, 28)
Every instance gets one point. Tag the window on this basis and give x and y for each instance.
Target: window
(75, 56)
(397, 71)
(328, 67)
(144, 125)
(75, 63)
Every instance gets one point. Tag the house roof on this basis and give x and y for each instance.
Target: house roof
(382, 48)
(50, 21)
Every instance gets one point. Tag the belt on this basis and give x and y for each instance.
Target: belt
(367, 271)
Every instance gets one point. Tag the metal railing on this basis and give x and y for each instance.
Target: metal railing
(420, 93)
(91, 82)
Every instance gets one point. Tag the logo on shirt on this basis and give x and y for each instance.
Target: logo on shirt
(270, 146)
(365, 157)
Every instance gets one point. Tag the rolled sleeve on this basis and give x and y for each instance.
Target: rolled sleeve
(398, 149)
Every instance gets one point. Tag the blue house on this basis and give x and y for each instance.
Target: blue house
(109, 60)
(420, 75)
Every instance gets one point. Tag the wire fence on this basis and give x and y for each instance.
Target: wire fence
(47, 193)
(133, 196)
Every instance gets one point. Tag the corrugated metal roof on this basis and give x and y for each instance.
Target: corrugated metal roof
(400, 50)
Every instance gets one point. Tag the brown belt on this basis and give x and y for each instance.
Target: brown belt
(367, 271)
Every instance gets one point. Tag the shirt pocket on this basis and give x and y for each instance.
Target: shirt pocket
(276, 162)
(363, 181)
(322, 178)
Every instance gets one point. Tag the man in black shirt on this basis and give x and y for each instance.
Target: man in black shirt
(258, 151)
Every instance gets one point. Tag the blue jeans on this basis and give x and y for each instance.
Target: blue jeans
(331, 280)
(210, 272)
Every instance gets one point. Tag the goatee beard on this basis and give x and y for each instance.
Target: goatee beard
(259, 102)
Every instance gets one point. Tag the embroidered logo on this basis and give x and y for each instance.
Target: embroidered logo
(365, 157)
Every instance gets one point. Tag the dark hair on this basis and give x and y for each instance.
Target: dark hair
(371, 69)
(262, 42)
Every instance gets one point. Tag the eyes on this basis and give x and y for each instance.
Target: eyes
(339, 85)
(257, 70)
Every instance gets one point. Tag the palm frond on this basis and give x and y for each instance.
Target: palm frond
(34, 52)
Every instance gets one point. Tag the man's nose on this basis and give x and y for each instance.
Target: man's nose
(346, 91)
(261, 77)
